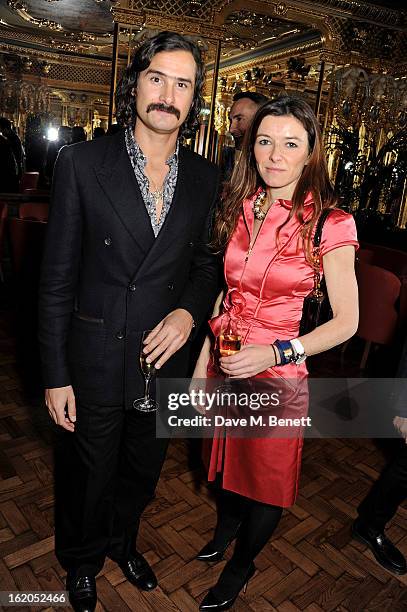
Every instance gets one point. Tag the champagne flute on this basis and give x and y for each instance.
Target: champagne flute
(229, 339)
(229, 343)
(146, 403)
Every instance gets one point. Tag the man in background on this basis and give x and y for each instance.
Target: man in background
(8, 131)
(243, 109)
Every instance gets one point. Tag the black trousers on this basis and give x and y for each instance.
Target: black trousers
(106, 473)
(387, 493)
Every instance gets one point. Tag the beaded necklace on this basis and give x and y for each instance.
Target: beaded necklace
(258, 204)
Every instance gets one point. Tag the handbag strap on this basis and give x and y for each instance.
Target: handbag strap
(318, 232)
(316, 252)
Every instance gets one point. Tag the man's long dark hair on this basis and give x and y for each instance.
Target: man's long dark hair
(126, 89)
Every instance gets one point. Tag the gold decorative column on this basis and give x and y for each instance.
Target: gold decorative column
(319, 90)
(210, 150)
(115, 55)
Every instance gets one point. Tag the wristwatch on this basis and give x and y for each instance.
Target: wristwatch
(299, 352)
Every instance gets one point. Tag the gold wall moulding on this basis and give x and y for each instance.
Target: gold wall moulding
(377, 100)
(346, 8)
(58, 58)
(366, 120)
(400, 70)
(339, 8)
(19, 99)
(22, 67)
(281, 9)
(305, 50)
(340, 58)
(157, 21)
(79, 97)
(76, 40)
(247, 30)
(99, 90)
(313, 17)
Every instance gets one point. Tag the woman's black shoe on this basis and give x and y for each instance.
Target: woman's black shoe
(211, 602)
(210, 554)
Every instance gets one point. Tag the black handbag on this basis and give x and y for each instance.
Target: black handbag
(317, 309)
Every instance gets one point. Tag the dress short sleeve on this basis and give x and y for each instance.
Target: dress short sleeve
(339, 230)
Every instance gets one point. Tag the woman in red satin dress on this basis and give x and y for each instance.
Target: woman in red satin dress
(265, 224)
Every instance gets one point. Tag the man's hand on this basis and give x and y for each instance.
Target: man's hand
(198, 386)
(57, 401)
(401, 424)
(168, 336)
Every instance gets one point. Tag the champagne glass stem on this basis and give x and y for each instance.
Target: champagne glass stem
(147, 380)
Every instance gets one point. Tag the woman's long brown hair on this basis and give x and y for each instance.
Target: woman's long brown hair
(245, 179)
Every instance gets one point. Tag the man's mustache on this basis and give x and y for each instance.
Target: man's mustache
(163, 107)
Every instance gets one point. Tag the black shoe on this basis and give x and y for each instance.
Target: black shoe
(210, 554)
(82, 592)
(138, 572)
(213, 554)
(383, 549)
(211, 602)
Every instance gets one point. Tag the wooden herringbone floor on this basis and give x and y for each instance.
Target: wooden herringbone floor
(311, 564)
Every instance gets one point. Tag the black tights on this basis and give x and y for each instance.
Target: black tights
(254, 523)
(231, 510)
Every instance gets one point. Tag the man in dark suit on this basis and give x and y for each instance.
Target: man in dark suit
(126, 251)
(389, 491)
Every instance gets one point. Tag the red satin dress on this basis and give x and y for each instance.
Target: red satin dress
(266, 292)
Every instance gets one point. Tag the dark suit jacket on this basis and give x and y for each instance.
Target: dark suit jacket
(401, 402)
(105, 278)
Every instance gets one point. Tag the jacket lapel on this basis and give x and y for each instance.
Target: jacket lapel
(119, 183)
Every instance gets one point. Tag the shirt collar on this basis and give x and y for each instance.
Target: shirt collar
(286, 203)
(307, 201)
(139, 156)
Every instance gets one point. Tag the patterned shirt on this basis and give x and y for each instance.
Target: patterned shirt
(139, 161)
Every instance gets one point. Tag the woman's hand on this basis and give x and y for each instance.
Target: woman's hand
(249, 361)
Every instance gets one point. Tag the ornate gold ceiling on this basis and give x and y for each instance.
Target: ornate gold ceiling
(61, 16)
(70, 41)
(84, 27)
(246, 30)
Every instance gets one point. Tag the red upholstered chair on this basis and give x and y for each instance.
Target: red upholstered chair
(395, 261)
(26, 244)
(26, 238)
(34, 210)
(379, 293)
(3, 217)
(364, 255)
(390, 259)
(29, 181)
